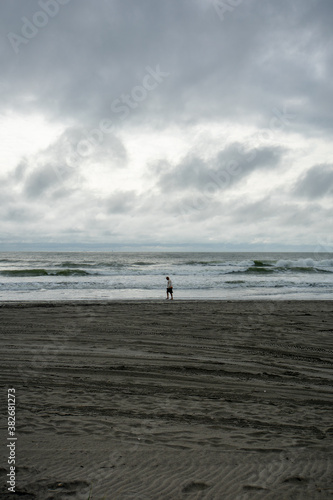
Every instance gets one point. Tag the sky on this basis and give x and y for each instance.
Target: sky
(166, 124)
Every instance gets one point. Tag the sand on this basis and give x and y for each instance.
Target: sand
(169, 400)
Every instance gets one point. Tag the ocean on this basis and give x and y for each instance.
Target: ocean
(39, 276)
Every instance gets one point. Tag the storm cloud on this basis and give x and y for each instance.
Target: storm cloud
(150, 121)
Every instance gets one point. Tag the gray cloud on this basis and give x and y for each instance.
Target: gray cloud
(39, 181)
(230, 166)
(121, 202)
(266, 68)
(77, 145)
(21, 213)
(316, 182)
(90, 54)
(248, 211)
(274, 211)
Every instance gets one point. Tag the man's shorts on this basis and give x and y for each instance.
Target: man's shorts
(169, 290)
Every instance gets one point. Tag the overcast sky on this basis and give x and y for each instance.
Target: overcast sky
(166, 123)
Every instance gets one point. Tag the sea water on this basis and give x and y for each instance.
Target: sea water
(26, 276)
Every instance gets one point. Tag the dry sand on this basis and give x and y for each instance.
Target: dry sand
(169, 400)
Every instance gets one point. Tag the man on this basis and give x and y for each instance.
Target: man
(169, 288)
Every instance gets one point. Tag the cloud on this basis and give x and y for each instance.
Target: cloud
(316, 182)
(22, 213)
(238, 109)
(121, 202)
(42, 179)
(88, 56)
(230, 166)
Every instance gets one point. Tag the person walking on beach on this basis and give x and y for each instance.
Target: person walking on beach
(169, 288)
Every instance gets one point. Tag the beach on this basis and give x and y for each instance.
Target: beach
(160, 399)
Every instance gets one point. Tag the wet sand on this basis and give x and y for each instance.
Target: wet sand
(169, 400)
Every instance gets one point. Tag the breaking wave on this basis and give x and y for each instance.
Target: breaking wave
(284, 265)
(43, 272)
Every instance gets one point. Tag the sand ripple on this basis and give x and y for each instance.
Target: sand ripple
(188, 400)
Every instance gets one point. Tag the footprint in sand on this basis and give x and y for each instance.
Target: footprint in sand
(193, 486)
